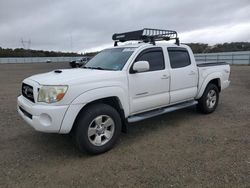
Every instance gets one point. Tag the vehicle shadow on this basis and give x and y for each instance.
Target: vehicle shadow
(63, 145)
(172, 119)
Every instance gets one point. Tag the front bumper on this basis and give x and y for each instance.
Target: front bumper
(44, 118)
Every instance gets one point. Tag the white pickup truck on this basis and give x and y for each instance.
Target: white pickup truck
(122, 84)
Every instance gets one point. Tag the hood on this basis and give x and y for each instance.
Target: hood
(71, 76)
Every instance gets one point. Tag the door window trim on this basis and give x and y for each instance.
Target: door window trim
(178, 49)
(152, 49)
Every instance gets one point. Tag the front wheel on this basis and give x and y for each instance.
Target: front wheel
(209, 100)
(97, 128)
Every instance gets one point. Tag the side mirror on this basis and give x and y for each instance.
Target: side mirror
(140, 66)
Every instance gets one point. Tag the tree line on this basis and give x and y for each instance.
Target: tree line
(196, 47)
(20, 52)
(225, 47)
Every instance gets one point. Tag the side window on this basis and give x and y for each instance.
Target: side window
(178, 58)
(154, 57)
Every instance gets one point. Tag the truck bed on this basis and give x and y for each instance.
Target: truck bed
(221, 70)
(211, 64)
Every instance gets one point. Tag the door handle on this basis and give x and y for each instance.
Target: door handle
(164, 76)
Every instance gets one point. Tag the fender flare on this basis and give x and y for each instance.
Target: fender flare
(89, 96)
(104, 92)
(212, 76)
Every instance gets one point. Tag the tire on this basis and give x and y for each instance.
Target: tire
(97, 129)
(209, 100)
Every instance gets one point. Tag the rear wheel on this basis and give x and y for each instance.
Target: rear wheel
(209, 100)
(97, 128)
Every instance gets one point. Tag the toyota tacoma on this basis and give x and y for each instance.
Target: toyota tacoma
(122, 84)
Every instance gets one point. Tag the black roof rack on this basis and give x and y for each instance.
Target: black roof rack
(146, 35)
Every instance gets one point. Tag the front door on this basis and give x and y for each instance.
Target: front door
(149, 90)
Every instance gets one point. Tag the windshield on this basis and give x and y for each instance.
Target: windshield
(110, 59)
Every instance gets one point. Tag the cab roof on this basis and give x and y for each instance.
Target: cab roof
(142, 44)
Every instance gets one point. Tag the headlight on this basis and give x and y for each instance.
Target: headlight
(51, 94)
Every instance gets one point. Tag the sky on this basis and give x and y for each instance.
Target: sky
(88, 25)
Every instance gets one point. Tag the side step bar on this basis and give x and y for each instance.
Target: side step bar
(153, 113)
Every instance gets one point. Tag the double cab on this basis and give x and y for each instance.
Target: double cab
(120, 85)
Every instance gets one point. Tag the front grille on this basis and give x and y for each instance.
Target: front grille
(27, 92)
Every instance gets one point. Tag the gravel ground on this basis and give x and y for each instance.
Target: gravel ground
(179, 149)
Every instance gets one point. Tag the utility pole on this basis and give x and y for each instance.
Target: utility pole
(25, 43)
(71, 43)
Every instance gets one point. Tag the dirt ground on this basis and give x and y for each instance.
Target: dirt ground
(179, 149)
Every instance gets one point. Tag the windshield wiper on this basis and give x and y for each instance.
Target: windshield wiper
(98, 68)
(84, 67)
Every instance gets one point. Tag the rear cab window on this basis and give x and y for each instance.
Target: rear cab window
(178, 57)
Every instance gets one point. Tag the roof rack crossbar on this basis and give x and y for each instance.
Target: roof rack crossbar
(146, 35)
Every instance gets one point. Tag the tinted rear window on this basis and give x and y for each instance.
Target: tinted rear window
(178, 58)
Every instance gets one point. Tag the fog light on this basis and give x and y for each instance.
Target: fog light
(45, 120)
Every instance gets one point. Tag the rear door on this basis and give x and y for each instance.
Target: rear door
(149, 90)
(184, 75)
